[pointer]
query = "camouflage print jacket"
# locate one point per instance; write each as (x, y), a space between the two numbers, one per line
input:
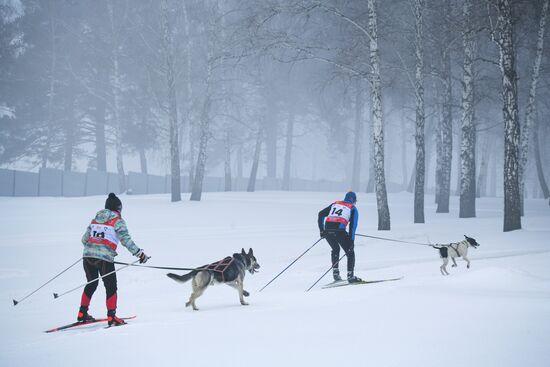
(103, 235)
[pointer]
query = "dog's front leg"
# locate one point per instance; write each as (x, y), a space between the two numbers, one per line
(241, 291)
(234, 285)
(443, 268)
(467, 261)
(454, 262)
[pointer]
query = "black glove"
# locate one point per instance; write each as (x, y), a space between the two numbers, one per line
(142, 257)
(323, 233)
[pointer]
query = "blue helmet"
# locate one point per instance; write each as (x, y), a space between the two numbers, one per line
(350, 197)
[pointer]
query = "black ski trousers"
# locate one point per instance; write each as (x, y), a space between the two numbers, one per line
(93, 268)
(340, 238)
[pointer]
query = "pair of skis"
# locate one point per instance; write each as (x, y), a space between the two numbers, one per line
(342, 283)
(80, 323)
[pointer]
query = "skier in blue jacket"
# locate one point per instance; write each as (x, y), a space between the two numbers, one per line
(333, 221)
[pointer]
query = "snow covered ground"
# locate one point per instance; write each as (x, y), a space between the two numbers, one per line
(495, 314)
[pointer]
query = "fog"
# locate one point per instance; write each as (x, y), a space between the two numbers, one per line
(443, 97)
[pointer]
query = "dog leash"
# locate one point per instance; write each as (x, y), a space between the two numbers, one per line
(393, 240)
(156, 267)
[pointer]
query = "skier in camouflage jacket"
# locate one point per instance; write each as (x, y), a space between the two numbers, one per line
(100, 242)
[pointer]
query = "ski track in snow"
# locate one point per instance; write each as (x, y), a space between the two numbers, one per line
(497, 313)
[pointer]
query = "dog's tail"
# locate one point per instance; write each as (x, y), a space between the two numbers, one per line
(182, 278)
(437, 247)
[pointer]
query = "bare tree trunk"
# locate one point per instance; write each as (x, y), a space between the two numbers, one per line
(189, 95)
(271, 138)
(378, 122)
(370, 139)
(493, 186)
(438, 142)
(288, 149)
(116, 86)
(192, 153)
(196, 192)
(538, 162)
(240, 161)
(446, 128)
(255, 162)
(100, 146)
(227, 163)
(481, 186)
(420, 115)
(358, 139)
(468, 146)
(410, 186)
(531, 105)
(404, 153)
(52, 88)
(69, 125)
(505, 41)
(172, 104)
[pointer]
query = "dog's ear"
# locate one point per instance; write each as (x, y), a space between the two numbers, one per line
(242, 251)
(250, 252)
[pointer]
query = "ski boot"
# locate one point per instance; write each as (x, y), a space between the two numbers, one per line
(336, 275)
(113, 320)
(84, 316)
(353, 279)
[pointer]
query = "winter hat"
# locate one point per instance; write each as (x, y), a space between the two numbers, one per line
(350, 197)
(113, 203)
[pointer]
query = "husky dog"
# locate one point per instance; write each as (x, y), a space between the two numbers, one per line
(230, 271)
(458, 249)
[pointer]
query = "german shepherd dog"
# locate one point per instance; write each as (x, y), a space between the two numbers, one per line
(230, 271)
(458, 249)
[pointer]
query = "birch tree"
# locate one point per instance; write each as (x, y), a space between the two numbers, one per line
(445, 133)
(52, 90)
(116, 84)
(468, 145)
(531, 105)
(288, 148)
(503, 35)
(255, 160)
(172, 105)
(358, 138)
(377, 121)
(420, 115)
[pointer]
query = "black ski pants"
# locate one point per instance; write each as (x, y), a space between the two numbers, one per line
(337, 239)
(93, 268)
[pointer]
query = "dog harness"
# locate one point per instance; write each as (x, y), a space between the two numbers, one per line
(340, 212)
(219, 266)
(444, 248)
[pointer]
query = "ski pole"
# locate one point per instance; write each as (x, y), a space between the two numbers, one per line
(303, 253)
(56, 295)
(15, 302)
(325, 273)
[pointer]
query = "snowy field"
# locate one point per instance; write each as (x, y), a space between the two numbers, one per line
(495, 314)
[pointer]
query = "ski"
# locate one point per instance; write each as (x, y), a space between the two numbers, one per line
(341, 283)
(78, 323)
